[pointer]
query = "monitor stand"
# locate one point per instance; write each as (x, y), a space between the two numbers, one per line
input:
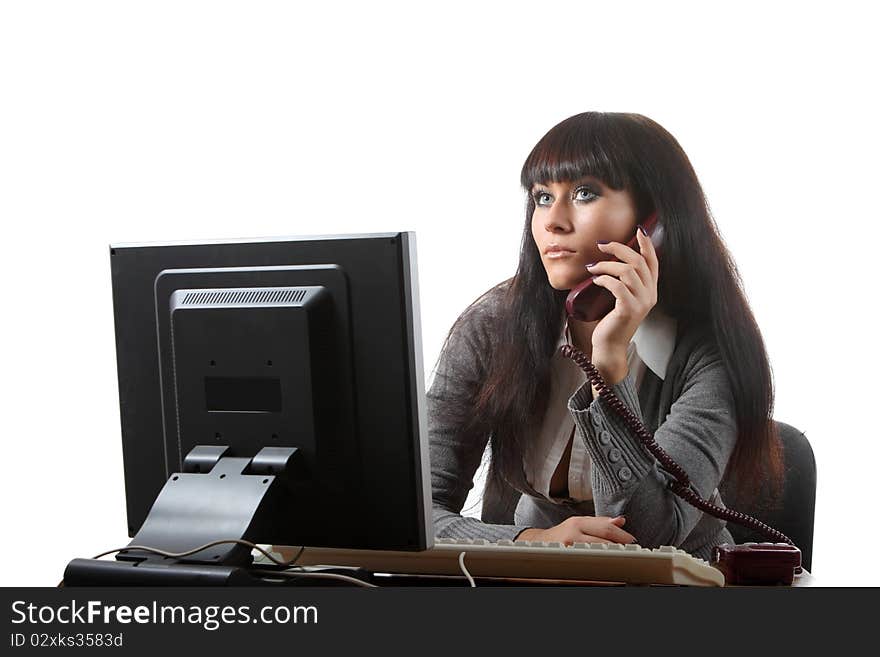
(215, 497)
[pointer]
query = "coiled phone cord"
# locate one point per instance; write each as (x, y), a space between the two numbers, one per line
(681, 484)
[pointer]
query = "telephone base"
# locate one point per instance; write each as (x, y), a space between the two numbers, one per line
(761, 564)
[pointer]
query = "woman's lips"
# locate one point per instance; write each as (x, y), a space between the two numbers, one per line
(559, 252)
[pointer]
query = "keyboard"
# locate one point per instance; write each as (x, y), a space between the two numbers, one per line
(592, 562)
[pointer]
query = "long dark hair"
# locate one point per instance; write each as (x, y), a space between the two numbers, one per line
(699, 285)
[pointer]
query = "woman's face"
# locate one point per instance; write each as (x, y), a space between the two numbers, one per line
(570, 217)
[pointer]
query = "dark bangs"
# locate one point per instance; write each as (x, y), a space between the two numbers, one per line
(581, 145)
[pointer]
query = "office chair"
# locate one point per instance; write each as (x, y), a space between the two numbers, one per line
(794, 512)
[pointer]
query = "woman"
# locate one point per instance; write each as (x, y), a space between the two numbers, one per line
(680, 348)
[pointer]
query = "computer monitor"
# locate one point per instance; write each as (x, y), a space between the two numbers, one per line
(293, 364)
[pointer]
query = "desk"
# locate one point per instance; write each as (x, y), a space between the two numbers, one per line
(805, 579)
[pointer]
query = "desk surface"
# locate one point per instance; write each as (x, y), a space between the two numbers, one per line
(374, 574)
(802, 580)
(398, 579)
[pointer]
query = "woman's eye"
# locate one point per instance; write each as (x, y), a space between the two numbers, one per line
(542, 198)
(583, 194)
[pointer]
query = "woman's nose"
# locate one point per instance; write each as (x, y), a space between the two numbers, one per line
(558, 218)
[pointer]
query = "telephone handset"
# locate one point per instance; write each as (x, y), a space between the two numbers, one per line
(587, 302)
(752, 563)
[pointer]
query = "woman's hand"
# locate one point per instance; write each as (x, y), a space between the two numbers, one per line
(633, 282)
(581, 529)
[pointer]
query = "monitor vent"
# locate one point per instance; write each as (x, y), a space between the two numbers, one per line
(251, 296)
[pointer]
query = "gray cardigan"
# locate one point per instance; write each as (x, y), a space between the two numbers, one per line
(691, 413)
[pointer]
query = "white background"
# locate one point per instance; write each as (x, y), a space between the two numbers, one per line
(124, 121)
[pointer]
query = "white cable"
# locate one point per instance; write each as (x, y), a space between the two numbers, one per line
(465, 570)
(346, 578)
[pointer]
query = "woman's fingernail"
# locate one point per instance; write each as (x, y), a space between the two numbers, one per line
(642, 228)
(603, 241)
(592, 264)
